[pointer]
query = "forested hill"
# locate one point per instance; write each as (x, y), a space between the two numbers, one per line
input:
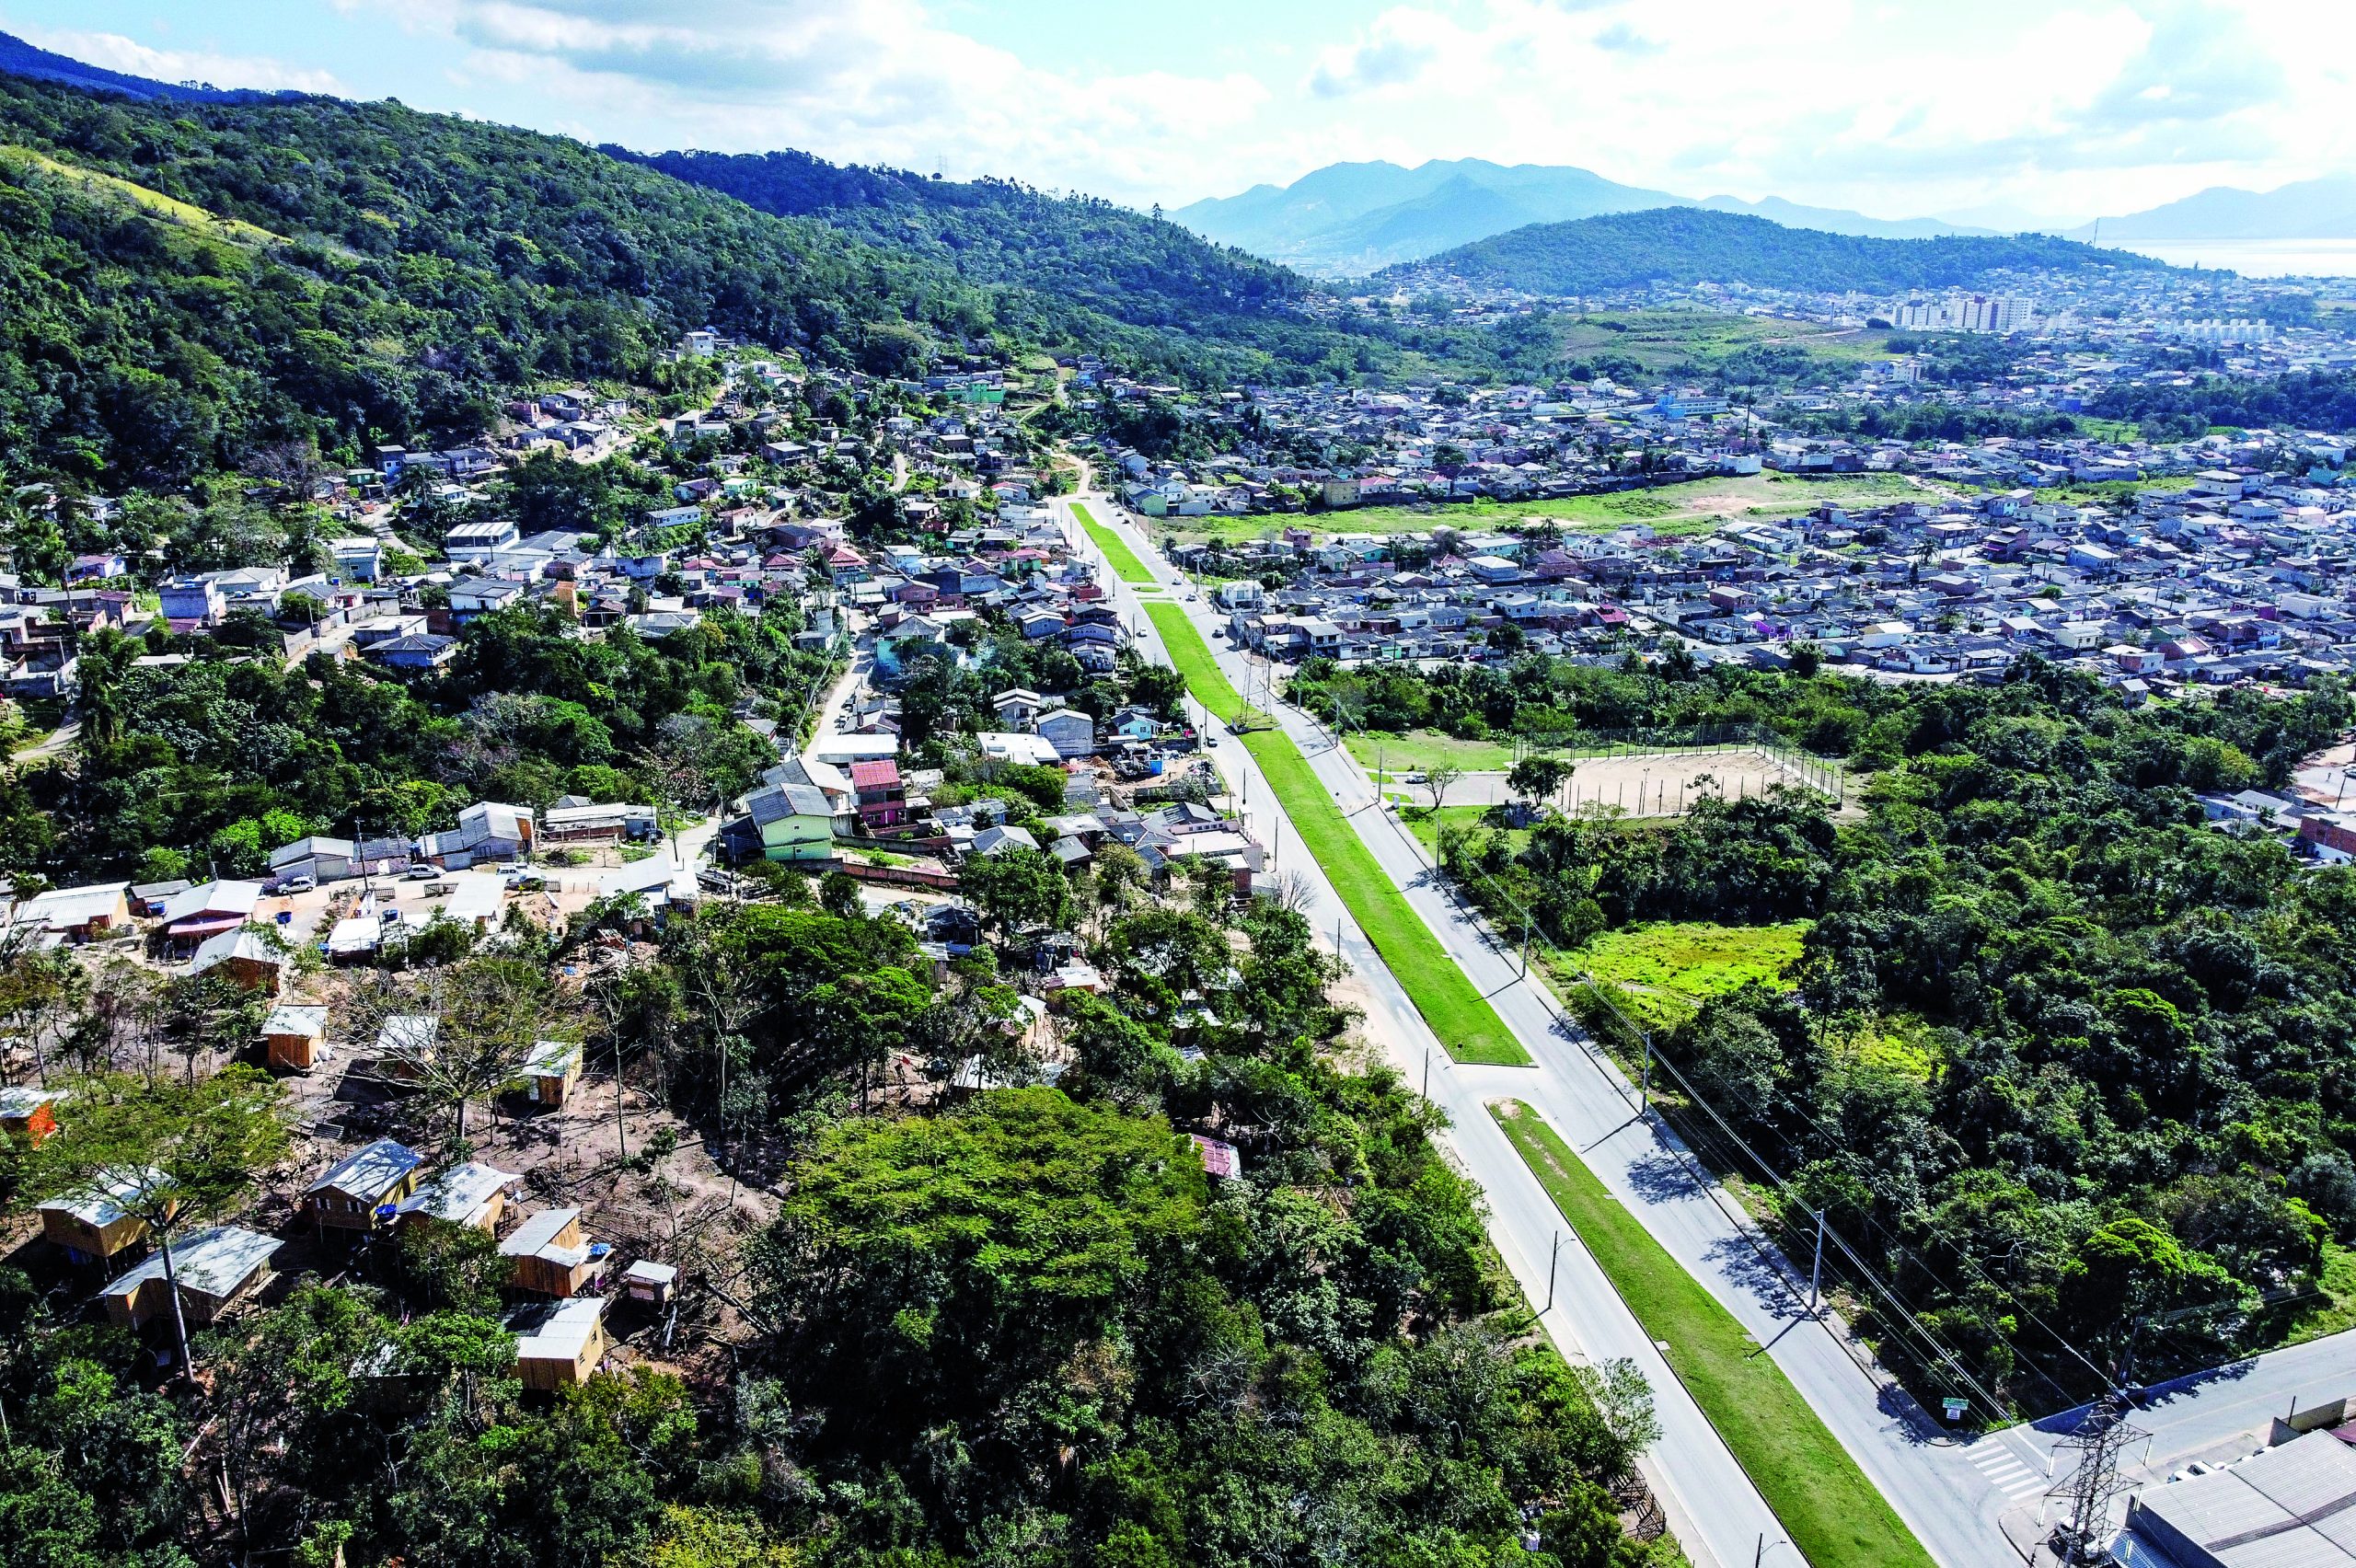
(1082, 248)
(1684, 244)
(183, 282)
(18, 58)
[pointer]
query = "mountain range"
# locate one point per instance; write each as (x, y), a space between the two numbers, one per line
(2310, 209)
(1687, 244)
(1352, 219)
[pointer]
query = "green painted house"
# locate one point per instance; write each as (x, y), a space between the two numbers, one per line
(796, 822)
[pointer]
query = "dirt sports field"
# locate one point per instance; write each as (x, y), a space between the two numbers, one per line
(1653, 784)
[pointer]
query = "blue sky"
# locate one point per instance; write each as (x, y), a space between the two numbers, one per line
(2005, 110)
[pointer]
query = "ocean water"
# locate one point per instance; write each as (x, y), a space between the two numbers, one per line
(2260, 257)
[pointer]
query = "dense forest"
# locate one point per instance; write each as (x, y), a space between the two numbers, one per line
(1022, 1328)
(182, 284)
(2066, 1063)
(2303, 400)
(1687, 244)
(1129, 266)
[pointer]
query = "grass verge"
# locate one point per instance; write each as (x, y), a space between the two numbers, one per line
(1823, 1501)
(1467, 1026)
(1125, 561)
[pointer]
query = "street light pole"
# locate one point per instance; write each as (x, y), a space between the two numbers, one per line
(1553, 1253)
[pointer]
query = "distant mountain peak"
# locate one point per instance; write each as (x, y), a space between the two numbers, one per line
(1348, 219)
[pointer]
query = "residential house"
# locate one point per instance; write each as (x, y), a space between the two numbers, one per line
(416, 651)
(294, 1037)
(559, 1345)
(364, 1187)
(358, 557)
(97, 1226)
(206, 911)
(1070, 731)
(551, 1255)
(250, 955)
(881, 795)
(82, 914)
(552, 1071)
(214, 1268)
(794, 822)
(486, 831)
(472, 1196)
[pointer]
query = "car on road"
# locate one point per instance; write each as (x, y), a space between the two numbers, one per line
(420, 873)
(299, 884)
(1411, 779)
(525, 881)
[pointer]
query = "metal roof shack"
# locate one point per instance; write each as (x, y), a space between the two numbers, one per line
(2291, 1506)
(213, 1267)
(470, 1194)
(559, 1347)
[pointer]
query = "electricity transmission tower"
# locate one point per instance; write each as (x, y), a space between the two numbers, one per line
(2088, 1488)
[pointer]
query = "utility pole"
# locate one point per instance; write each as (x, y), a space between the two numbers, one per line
(1816, 1270)
(1525, 944)
(1645, 1084)
(1553, 1253)
(1428, 1094)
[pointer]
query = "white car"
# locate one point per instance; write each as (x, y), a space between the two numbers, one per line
(299, 884)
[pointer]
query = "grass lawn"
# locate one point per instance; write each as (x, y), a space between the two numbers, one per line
(1424, 824)
(1467, 1026)
(1125, 560)
(1690, 506)
(1659, 338)
(1418, 751)
(1823, 1501)
(1675, 965)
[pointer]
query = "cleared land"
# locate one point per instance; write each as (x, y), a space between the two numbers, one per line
(1690, 506)
(1125, 561)
(1420, 750)
(1827, 1507)
(1658, 339)
(1669, 968)
(1467, 1026)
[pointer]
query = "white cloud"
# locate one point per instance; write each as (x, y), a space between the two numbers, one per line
(1895, 107)
(119, 54)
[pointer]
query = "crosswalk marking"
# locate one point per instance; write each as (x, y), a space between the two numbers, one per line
(2005, 1472)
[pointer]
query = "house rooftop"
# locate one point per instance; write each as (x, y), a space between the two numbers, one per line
(369, 1171)
(213, 1263)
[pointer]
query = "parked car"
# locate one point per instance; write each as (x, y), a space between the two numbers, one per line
(420, 873)
(299, 884)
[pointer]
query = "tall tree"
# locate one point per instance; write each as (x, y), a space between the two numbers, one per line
(166, 1152)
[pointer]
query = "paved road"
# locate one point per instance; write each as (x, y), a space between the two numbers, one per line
(1712, 1505)
(1953, 1494)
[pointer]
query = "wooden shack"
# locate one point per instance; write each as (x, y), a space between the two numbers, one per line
(559, 1346)
(246, 955)
(215, 1268)
(650, 1282)
(551, 1070)
(551, 1256)
(295, 1035)
(95, 1226)
(472, 1196)
(353, 1194)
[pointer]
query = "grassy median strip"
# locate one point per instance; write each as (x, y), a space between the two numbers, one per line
(1824, 1502)
(1466, 1024)
(1125, 560)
